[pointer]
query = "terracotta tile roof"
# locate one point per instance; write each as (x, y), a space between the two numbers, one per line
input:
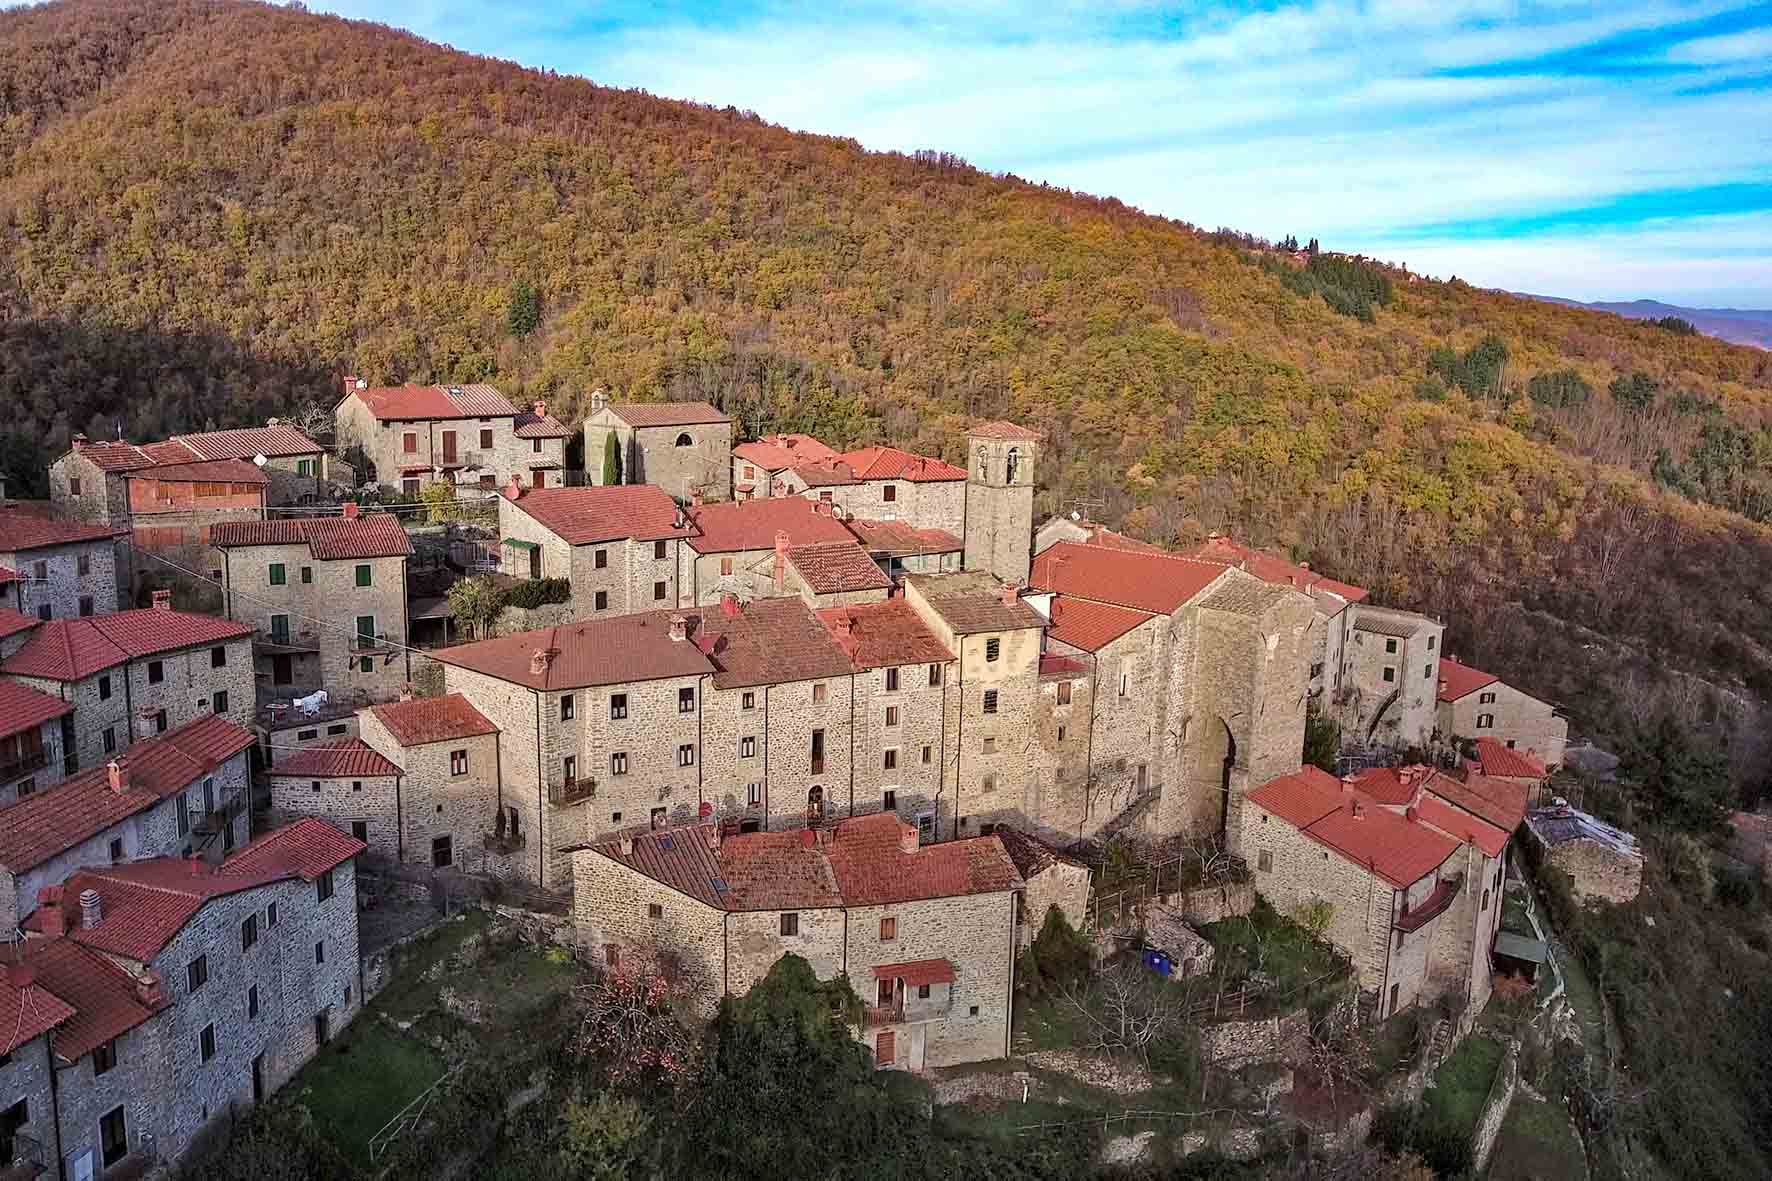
(1396, 848)
(1030, 854)
(1095, 533)
(774, 453)
(735, 526)
(28, 1008)
(25, 709)
(434, 402)
(836, 567)
(1462, 825)
(348, 758)
(1159, 583)
(227, 471)
(114, 456)
(774, 871)
(1091, 626)
(766, 642)
(1301, 798)
(1496, 758)
(8, 576)
(606, 651)
(1501, 803)
(587, 515)
(1052, 665)
(891, 463)
(1460, 680)
(272, 442)
(1003, 430)
(972, 602)
(70, 649)
(103, 995)
(425, 720)
(1330, 594)
(21, 529)
(1394, 785)
(306, 849)
(376, 535)
(900, 538)
(882, 635)
(167, 763)
(13, 622)
(531, 426)
(917, 972)
(649, 414)
(824, 473)
(1398, 624)
(872, 869)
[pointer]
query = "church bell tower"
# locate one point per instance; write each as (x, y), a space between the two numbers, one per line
(1000, 458)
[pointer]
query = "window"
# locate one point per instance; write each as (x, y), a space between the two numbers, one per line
(248, 932)
(1430, 642)
(458, 762)
(365, 576)
(1264, 861)
(747, 701)
(409, 486)
(753, 795)
(790, 923)
(271, 915)
(360, 830)
(279, 574)
(1485, 698)
(569, 768)
(1064, 692)
(928, 754)
(104, 688)
(27, 786)
(73, 485)
(1485, 901)
(972, 1011)
(323, 886)
(658, 550)
(922, 992)
(1316, 670)
(600, 601)
(658, 591)
(566, 708)
(725, 567)
(818, 751)
(156, 672)
(218, 701)
(485, 439)
(1427, 672)
(307, 575)
(987, 783)
(889, 800)
(611, 955)
(683, 440)
(820, 691)
(45, 612)
(1485, 721)
(1390, 673)
(196, 974)
(110, 738)
(279, 630)
(993, 648)
(366, 664)
(365, 630)
(889, 493)
(618, 762)
(686, 755)
(658, 817)
(304, 467)
(892, 715)
(686, 700)
(891, 759)
(85, 605)
(113, 1135)
(888, 929)
(747, 747)
(409, 442)
(934, 675)
(892, 680)
(1389, 647)
(618, 706)
(990, 701)
(826, 497)
(320, 947)
(104, 1057)
(988, 744)
(1125, 683)
(601, 560)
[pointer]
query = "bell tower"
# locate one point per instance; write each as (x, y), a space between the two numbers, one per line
(1000, 458)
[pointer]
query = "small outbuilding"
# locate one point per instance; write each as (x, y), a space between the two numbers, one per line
(1605, 863)
(1053, 879)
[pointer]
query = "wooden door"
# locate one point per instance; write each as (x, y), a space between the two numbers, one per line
(448, 446)
(282, 670)
(885, 1048)
(539, 478)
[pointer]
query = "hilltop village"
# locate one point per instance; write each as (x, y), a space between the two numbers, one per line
(857, 706)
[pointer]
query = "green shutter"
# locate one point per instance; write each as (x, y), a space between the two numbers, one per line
(363, 576)
(279, 576)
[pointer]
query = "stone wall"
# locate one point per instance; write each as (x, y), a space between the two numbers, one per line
(999, 514)
(1213, 904)
(920, 735)
(1514, 716)
(434, 803)
(71, 580)
(1495, 1108)
(1060, 884)
(1272, 1039)
(616, 908)
(372, 801)
(1599, 872)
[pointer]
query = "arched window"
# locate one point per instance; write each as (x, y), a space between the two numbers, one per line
(1014, 466)
(983, 470)
(683, 440)
(815, 803)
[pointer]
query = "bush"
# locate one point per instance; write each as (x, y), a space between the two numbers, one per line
(1058, 958)
(538, 592)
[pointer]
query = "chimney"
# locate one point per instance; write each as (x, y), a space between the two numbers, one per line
(1353, 807)
(843, 626)
(49, 904)
(729, 605)
(91, 913)
(352, 385)
(599, 400)
(408, 691)
(539, 408)
(1304, 565)
(710, 833)
(678, 521)
(679, 629)
(781, 561)
(1010, 593)
(907, 838)
(695, 497)
(626, 845)
(514, 490)
(21, 976)
(539, 661)
(272, 421)
(351, 510)
(79, 442)
(162, 600)
(118, 775)
(808, 838)
(148, 991)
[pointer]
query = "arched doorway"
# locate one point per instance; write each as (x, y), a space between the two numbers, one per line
(1209, 758)
(815, 804)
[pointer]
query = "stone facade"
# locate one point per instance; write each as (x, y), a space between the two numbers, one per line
(33, 760)
(615, 577)
(440, 811)
(759, 763)
(136, 1083)
(26, 1078)
(366, 806)
(686, 459)
(1508, 715)
(67, 581)
(999, 520)
(905, 712)
(1389, 691)
(466, 449)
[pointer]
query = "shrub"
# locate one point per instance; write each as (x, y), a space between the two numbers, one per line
(538, 592)
(1058, 958)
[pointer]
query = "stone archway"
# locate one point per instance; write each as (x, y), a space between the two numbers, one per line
(1208, 762)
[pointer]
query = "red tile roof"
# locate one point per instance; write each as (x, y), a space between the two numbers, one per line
(545, 426)
(837, 567)
(735, 526)
(103, 996)
(1331, 595)
(765, 642)
(1052, 665)
(972, 601)
(434, 402)
(774, 453)
(272, 442)
(229, 471)
(587, 515)
(28, 1009)
(348, 758)
(824, 473)
(13, 622)
(917, 972)
(1091, 626)
(1460, 680)
(872, 869)
(425, 720)
(1496, 758)
(1396, 848)
(648, 414)
(1501, 803)
(1003, 430)
(70, 649)
(306, 849)
(25, 709)
(24, 530)
(1159, 583)
(376, 535)
(1394, 785)
(891, 463)
(1462, 825)
(1301, 798)
(115, 456)
(901, 539)
(606, 651)
(885, 634)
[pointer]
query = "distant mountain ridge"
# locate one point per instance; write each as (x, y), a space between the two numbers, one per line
(1736, 325)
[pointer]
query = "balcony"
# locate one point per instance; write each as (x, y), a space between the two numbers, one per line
(215, 820)
(18, 768)
(906, 1011)
(1433, 906)
(874, 1016)
(571, 791)
(505, 842)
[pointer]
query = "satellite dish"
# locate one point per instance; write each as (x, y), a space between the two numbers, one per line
(260, 460)
(1076, 515)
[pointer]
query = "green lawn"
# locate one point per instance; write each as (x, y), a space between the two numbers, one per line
(361, 1081)
(1537, 1141)
(1462, 1085)
(1303, 968)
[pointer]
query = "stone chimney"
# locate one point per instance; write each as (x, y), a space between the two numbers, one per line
(710, 833)
(539, 661)
(408, 691)
(599, 400)
(1010, 594)
(49, 904)
(626, 845)
(514, 490)
(162, 600)
(679, 629)
(148, 991)
(539, 408)
(80, 442)
(842, 626)
(729, 605)
(1353, 807)
(351, 510)
(91, 913)
(118, 775)
(907, 838)
(781, 561)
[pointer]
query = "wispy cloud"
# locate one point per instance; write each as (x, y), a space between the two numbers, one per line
(1468, 130)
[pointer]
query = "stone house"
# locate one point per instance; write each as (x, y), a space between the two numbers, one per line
(924, 933)
(1389, 689)
(999, 520)
(35, 730)
(348, 783)
(1492, 759)
(900, 548)
(761, 468)
(891, 484)
(89, 483)
(1603, 863)
(281, 727)
(15, 627)
(325, 598)
(185, 792)
(247, 967)
(684, 448)
(621, 546)
(1079, 529)
(1475, 705)
(56, 569)
(134, 674)
(1053, 880)
(741, 548)
(400, 438)
(27, 1085)
(440, 807)
(833, 574)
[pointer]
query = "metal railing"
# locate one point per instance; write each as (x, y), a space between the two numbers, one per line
(570, 791)
(509, 842)
(216, 819)
(18, 768)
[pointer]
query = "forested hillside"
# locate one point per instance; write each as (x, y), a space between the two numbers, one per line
(209, 211)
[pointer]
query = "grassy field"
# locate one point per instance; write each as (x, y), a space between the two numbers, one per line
(1462, 1084)
(362, 1080)
(1537, 1141)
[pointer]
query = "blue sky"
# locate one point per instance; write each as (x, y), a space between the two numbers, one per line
(1595, 151)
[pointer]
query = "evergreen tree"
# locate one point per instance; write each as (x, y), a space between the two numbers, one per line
(525, 313)
(611, 459)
